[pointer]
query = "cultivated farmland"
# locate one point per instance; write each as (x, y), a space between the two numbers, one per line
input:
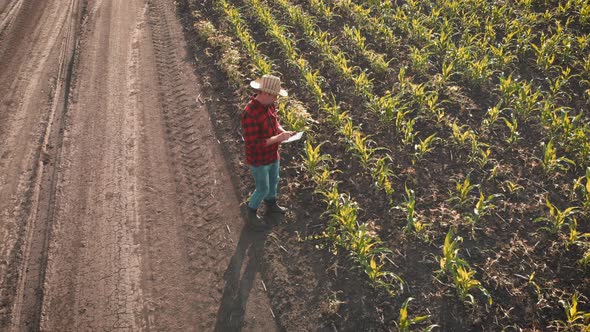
(444, 177)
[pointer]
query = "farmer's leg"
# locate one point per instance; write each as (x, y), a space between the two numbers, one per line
(273, 181)
(261, 179)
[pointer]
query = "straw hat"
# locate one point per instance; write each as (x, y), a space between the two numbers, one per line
(269, 84)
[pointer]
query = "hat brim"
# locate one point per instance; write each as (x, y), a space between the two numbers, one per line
(256, 85)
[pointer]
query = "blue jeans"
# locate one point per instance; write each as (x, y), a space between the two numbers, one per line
(266, 178)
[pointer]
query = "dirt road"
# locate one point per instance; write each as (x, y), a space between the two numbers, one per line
(116, 208)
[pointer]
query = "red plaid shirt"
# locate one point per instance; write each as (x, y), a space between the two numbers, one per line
(259, 123)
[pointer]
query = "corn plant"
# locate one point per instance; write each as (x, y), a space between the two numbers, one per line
(493, 114)
(556, 218)
(425, 146)
(420, 57)
(585, 260)
(387, 107)
(575, 320)
(345, 217)
(434, 107)
(462, 192)
(321, 9)
(481, 157)
(551, 162)
(229, 62)
(387, 280)
(465, 283)
(531, 282)
(360, 148)
(514, 135)
(459, 270)
(413, 224)
(479, 71)
(299, 17)
(324, 178)
(313, 159)
(450, 258)
(381, 174)
(461, 135)
(557, 86)
(483, 206)
(583, 189)
(512, 187)
(295, 115)
(526, 101)
(356, 38)
(409, 134)
(574, 236)
(405, 323)
(363, 85)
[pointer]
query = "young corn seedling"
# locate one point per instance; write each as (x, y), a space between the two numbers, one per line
(462, 191)
(434, 107)
(477, 151)
(382, 174)
(483, 158)
(387, 107)
(483, 206)
(450, 259)
(346, 217)
(331, 197)
(363, 85)
(409, 132)
(425, 146)
(400, 119)
(413, 224)
(461, 137)
(478, 72)
(365, 247)
(405, 323)
(585, 260)
(551, 162)
(321, 9)
(574, 236)
(575, 320)
(526, 100)
(465, 283)
(377, 62)
(512, 187)
(420, 57)
(556, 218)
(313, 160)
(447, 71)
(354, 36)
(531, 282)
(514, 135)
(312, 80)
(387, 280)
(295, 115)
(493, 114)
(557, 86)
(584, 189)
(324, 178)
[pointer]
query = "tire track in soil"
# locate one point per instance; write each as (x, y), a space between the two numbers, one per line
(208, 203)
(93, 271)
(39, 49)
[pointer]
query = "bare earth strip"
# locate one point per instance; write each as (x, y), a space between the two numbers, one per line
(117, 208)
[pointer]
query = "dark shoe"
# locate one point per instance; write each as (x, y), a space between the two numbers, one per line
(273, 207)
(254, 222)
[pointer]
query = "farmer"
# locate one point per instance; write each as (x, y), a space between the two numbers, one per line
(262, 136)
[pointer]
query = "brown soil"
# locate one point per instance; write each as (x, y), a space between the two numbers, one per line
(116, 210)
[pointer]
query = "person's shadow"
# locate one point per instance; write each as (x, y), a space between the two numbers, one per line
(230, 316)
